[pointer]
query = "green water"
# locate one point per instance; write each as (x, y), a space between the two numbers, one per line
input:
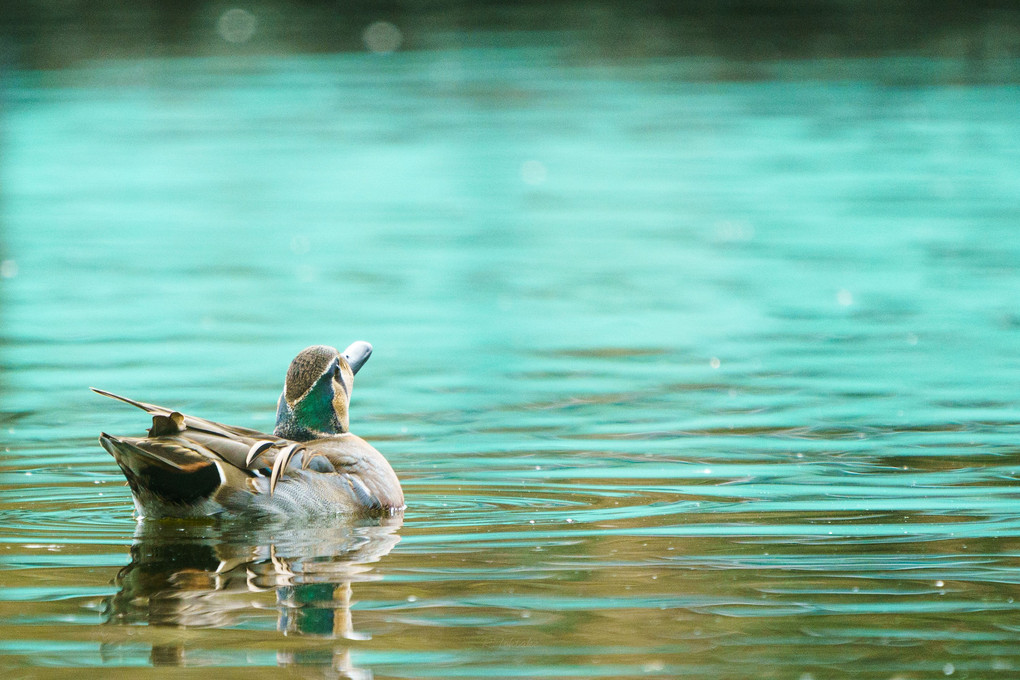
(683, 377)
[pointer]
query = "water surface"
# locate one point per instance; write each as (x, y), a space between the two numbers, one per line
(683, 377)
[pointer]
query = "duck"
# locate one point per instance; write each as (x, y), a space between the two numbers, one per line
(311, 465)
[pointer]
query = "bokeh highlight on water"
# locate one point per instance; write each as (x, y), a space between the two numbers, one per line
(684, 377)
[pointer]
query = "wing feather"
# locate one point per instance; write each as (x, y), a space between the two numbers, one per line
(191, 422)
(176, 453)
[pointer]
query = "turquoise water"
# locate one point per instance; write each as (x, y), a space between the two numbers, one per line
(683, 377)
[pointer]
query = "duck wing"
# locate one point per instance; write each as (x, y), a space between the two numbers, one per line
(240, 447)
(191, 422)
(177, 471)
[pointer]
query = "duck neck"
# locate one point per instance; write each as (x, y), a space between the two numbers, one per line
(306, 420)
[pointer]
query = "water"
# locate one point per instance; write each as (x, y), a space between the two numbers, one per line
(683, 377)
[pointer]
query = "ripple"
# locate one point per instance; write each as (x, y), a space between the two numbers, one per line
(766, 424)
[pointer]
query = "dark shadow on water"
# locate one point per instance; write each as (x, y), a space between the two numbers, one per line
(37, 34)
(230, 574)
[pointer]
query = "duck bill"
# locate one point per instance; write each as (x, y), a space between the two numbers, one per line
(357, 354)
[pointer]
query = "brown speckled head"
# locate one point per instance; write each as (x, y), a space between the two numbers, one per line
(306, 369)
(317, 392)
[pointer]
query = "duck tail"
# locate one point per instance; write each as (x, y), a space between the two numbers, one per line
(166, 471)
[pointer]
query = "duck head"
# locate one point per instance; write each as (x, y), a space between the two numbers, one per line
(317, 392)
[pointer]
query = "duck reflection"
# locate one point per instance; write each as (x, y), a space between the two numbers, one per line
(202, 575)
